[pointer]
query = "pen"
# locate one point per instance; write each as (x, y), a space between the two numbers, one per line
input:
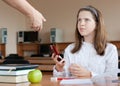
(61, 78)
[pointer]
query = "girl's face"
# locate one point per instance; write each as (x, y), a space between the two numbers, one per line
(86, 24)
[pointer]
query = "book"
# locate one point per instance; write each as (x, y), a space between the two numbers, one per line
(17, 84)
(14, 67)
(17, 72)
(13, 79)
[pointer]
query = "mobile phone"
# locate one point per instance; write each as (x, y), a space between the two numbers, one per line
(55, 50)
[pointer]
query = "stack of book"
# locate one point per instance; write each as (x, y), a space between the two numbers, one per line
(15, 73)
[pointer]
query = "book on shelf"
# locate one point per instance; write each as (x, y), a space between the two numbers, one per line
(15, 67)
(13, 79)
(17, 72)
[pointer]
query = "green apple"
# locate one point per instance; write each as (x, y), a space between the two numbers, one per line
(35, 76)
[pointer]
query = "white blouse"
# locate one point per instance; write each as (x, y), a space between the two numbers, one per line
(88, 58)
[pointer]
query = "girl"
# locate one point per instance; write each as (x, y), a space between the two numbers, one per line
(90, 55)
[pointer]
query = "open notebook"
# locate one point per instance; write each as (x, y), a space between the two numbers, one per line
(76, 81)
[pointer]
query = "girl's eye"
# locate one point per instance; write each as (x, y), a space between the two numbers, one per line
(87, 19)
(79, 19)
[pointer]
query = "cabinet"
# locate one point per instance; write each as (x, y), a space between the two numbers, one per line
(35, 47)
(116, 43)
(62, 46)
(2, 49)
(46, 63)
(22, 47)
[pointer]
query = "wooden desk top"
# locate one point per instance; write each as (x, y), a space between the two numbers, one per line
(46, 82)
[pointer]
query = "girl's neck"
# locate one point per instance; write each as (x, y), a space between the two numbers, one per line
(89, 39)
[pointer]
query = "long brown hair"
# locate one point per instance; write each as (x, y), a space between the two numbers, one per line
(100, 38)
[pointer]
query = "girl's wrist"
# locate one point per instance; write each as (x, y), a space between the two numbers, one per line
(90, 74)
(58, 68)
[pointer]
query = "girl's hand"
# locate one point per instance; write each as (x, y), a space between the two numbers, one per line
(59, 64)
(79, 71)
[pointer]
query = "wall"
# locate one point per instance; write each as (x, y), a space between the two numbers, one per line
(59, 14)
(13, 21)
(62, 14)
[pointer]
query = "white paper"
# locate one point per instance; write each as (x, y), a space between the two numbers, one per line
(76, 81)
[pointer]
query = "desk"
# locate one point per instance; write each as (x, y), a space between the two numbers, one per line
(45, 63)
(46, 82)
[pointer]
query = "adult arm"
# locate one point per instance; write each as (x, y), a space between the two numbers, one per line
(27, 9)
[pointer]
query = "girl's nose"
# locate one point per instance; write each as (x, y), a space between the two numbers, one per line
(82, 23)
